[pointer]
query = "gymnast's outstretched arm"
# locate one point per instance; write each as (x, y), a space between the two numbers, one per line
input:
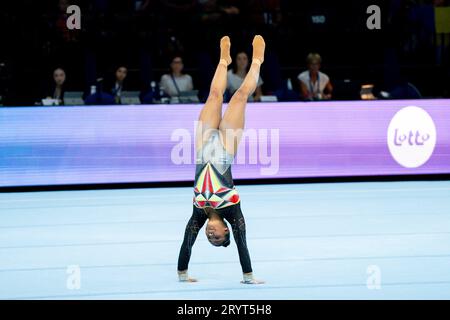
(193, 226)
(237, 221)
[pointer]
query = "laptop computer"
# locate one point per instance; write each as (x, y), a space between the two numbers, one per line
(269, 99)
(130, 97)
(190, 96)
(73, 98)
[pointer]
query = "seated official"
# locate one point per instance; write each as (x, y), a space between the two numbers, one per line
(314, 85)
(57, 88)
(176, 82)
(118, 84)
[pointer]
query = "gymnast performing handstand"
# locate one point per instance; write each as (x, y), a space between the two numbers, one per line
(217, 140)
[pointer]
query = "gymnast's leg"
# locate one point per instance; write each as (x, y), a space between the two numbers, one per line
(211, 114)
(231, 128)
(232, 124)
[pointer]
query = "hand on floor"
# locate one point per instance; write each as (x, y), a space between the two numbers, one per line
(248, 279)
(183, 277)
(189, 280)
(252, 281)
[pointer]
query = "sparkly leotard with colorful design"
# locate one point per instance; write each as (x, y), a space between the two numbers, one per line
(213, 190)
(214, 185)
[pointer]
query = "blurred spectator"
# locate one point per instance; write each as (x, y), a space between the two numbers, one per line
(237, 74)
(118, 85)
(314, 85)
(57, 89)
(176, 82)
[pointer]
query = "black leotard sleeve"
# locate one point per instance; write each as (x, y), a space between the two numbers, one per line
(235, 217)
(193, 226)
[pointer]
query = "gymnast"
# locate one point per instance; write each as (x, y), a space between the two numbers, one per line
(217, 139)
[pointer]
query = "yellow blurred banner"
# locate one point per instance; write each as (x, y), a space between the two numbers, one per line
(442, 19)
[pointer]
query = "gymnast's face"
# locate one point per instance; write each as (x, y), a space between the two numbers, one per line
(216, 231)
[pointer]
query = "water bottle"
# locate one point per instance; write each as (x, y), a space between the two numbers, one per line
(93, 89)
(153, 91)
(161, 95)
(289, 84)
